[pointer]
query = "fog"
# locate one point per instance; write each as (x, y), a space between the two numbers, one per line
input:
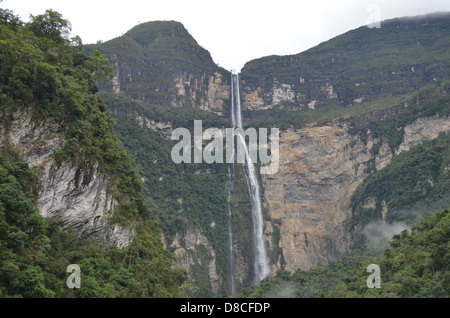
(378, 234)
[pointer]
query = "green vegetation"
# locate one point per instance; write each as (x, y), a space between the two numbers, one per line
(123, 107)
(368, 70)
(149, 56)
(45, 72)
(182, 195)
(389, 123)
(34, 252)
(418, 175)
(416, 265)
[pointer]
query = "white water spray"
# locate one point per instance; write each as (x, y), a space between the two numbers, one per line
(260, 261)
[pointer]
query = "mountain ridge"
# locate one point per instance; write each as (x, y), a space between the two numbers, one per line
(182, 72)
(354, 68)
(353, 140)
(315, 207)
(69, 192)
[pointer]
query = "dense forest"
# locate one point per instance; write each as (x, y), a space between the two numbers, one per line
(54, 77)
(415, 265)
(46, 72)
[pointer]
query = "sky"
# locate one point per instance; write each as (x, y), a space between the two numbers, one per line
(233, 31)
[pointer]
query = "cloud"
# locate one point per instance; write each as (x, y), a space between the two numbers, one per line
(378, 234)
(282, 290)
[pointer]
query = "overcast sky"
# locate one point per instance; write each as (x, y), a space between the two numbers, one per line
(233, 31)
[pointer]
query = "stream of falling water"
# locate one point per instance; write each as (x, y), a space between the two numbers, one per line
(260, 260)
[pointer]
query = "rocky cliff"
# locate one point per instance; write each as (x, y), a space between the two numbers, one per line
(198, 257)
(361, 65)
(345, 109)
(160, 62)
(309, 199)
(79, 194)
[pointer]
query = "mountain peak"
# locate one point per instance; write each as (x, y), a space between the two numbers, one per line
(146, 33)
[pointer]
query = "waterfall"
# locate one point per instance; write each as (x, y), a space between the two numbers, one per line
(260, 260)
(230, 182)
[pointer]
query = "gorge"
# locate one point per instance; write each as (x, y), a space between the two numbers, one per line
(363, 121)
(341, 119)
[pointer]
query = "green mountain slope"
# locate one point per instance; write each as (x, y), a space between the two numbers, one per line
(44, 72)
(417, 176)
(185, 197)
(151, 57)
(358, 69)
(415, 265)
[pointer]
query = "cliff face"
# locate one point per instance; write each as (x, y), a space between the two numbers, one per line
(307, 204)
(160, 62)
(77, 194)
(291, 95)
(361, 65)
(198, 257)
(309, 198)
(207, 91)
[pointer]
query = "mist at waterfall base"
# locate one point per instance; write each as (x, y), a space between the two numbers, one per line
(260, 261)
(378, 234)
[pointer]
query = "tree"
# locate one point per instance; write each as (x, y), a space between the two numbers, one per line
(99, 66)
(8, 17)
(51, 25)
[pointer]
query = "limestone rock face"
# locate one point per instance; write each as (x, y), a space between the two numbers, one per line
(309, 196)
(81, 198)
(308, 200)
(205, 91)
(77, 194)
(208, 92)
(424, 128)
(286, 95)
(196, 254)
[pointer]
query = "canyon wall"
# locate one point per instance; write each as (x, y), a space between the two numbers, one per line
(308, 200)
(79, 194)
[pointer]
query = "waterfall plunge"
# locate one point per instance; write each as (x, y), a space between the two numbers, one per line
(260, 262)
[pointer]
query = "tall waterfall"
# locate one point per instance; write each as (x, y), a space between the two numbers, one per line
(260, 260)
(230, 181)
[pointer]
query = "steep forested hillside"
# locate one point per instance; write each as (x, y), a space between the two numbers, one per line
(420, 175)
(45, 72)
(415, 265)
(160, 62)
(360, 66)
(185, 197)
(355, 114)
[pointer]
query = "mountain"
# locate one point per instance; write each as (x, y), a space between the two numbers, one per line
(161, 62)
(86, 175)
(164, 80)
(361, 66)
(69, 192)
(346, 109)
